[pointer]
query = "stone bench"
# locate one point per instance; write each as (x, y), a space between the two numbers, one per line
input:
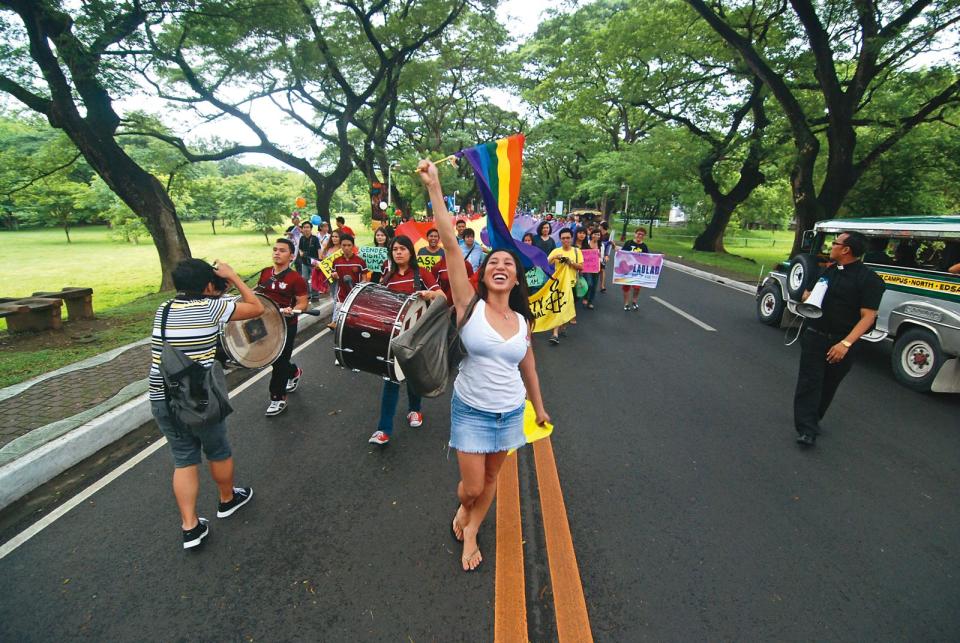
(79, 301)
(31, 313)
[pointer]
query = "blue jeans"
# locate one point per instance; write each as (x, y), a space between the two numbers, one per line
(388, 404)
(592, 280)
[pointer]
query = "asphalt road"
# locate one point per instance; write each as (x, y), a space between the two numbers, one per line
(694, 515)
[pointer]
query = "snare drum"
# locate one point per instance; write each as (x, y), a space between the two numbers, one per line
(370, 318)
(256, 342)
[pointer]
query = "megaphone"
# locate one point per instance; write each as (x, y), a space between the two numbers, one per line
(811, 308)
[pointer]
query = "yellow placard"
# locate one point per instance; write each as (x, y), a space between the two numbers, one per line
(427, 262)
(326, 264)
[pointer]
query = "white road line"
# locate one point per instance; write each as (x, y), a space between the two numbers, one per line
(685, 315)
(60, 511)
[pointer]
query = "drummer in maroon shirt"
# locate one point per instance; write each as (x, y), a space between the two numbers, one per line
(403, 275)
(287, 289)
(349, 269)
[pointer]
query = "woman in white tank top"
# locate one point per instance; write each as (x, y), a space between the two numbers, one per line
(496, 377)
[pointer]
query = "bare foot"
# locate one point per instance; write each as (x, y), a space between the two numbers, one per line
(457, 525)
(471, 557)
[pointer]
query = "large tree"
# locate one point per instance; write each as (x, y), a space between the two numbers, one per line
(59, 64)
(328, 66)
(834, 78)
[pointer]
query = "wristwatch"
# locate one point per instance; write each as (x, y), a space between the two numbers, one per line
(845, 343)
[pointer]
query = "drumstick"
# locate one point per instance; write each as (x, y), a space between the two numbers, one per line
(315, 313)
(452, 159)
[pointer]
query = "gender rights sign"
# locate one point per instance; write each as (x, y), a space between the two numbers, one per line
(637, 269)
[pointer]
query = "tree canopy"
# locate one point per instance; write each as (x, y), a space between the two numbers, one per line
(746, 113)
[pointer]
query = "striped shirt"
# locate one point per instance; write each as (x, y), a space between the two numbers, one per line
(193, 326)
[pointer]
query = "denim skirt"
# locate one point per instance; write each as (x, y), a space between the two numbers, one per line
(476, 431)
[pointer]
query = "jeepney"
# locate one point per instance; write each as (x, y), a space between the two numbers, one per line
(920, 310)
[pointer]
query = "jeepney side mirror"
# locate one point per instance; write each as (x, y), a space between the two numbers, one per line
(806, 243)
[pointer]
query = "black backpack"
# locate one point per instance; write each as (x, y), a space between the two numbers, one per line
(196, 395)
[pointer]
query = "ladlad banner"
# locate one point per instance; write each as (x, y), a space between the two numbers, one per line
(637, 269)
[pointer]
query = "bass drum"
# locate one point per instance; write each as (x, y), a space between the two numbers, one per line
(370, 318)
(256, 342)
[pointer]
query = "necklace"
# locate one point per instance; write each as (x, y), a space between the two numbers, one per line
(504, 314)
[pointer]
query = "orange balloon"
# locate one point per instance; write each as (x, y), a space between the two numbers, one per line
(301, 202)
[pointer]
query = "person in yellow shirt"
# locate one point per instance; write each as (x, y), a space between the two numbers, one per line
(565, 254)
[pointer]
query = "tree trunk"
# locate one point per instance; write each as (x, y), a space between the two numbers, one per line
(266, 235)
(711, 239)
(213, 225)
(806, 206)
(66, 231)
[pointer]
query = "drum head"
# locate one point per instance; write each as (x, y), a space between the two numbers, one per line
(257, 342)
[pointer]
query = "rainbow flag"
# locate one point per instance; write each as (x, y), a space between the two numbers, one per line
(497, 166)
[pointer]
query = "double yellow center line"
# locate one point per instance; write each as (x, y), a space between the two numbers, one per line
(510, 607)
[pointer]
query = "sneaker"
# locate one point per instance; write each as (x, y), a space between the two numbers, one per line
(635, 307)
(294, 381)
(276, 407)
(554, 339)
(379, 437)
(626, 306)
(415, 418)
(241, 496)
(193, 537)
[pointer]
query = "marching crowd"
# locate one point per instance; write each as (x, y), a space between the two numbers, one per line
(496, 377)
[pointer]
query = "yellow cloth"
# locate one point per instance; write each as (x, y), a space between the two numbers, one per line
(531, 429)
(552, 305)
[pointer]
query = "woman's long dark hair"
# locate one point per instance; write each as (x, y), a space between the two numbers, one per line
(540, 229)
(404, 241)
(519, 300)
(385, 234)
(586, 239)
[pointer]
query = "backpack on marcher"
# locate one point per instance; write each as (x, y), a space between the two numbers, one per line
(196, 395)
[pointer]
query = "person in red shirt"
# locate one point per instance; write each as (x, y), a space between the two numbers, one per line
(443, 278)
(343, 227)
(349, 269)
(287, 289)
(403, 275)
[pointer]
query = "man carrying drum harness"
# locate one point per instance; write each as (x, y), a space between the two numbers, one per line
(287, 289)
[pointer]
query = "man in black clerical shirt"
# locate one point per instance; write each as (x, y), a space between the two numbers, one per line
(827, 344)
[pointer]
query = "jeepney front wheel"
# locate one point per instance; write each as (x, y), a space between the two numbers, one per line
(916, 359)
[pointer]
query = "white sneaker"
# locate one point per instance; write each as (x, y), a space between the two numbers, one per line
(294, 381)
(276, 407)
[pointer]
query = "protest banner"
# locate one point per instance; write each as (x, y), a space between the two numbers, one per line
(326, 265)
(552, 305)
(591, 261)
(637, 269)
(373, 256)
(427, 262)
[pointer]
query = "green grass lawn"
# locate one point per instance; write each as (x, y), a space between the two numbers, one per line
(124, 277)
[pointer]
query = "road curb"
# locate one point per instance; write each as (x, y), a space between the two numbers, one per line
(709, 276)
(73, 439)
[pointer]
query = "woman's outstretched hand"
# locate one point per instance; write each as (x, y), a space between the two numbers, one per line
(427, 172)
